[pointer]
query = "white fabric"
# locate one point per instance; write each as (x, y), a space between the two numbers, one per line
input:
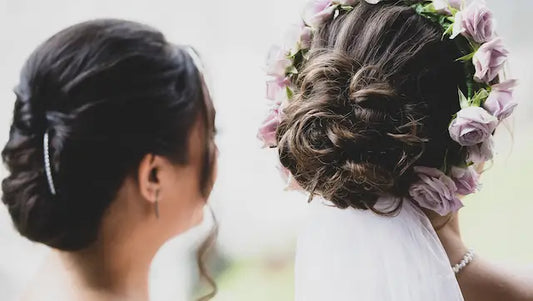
(358, 255)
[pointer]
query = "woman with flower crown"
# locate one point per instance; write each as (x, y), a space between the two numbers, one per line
(385, 110)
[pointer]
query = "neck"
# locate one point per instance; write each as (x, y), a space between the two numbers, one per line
(116, 265)
(118, 270)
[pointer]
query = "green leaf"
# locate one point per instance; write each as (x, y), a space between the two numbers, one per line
(289, 92)
(293, 53)
(470, 86)
(346, 8)
(429, 8)
(475, 101)
(474, 45)
(467, 57)
(305, 54)
(292, 70)
(480, 97)
(453, 10)
(463, 100)
(447, 31)
(444, 167)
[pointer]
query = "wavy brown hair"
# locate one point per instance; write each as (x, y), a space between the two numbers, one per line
(374, 98)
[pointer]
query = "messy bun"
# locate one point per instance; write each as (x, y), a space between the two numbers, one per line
(107, 92)
(373, 99)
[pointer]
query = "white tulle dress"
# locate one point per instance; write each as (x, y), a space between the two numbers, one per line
(361, 256)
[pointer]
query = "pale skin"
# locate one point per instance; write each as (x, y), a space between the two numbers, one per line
(116, 266)
(480, 280)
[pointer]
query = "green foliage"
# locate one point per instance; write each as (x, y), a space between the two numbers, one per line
(466, 47)
(479, 98)
(427, 10)
(290, 93)
(346, 8)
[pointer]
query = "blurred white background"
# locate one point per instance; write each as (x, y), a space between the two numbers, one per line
(259, 221)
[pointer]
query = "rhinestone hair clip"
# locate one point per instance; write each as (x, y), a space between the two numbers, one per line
(47, 166)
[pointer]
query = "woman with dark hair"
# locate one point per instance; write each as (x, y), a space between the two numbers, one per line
(111, 153)
(385, 109)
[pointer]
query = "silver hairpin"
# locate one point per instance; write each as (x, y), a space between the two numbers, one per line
(47, 166)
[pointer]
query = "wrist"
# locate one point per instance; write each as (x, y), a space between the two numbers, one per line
(453, 244)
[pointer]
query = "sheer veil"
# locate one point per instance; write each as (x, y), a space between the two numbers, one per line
(358, 255)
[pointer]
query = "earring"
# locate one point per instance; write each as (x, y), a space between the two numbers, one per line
(156, 204)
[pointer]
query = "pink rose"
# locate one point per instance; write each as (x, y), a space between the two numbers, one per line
(317, 12)
(457, 25)
(299, 36)
(466, 180)
(472, 125)
(435, 191)
(277, 62)
(457, 4)
(267, 131)
(500, 102)
(443, 6)
(306, 37)
(276, 86)
(489, 60)
(481, 153)
(477, 20)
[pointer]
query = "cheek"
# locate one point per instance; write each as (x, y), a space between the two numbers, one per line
(194, 206)
(213, 170)
(212, 179)
(185, 203)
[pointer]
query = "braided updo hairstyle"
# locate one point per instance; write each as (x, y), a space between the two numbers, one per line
(373, 100)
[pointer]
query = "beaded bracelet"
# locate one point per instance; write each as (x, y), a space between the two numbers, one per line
(469, 256)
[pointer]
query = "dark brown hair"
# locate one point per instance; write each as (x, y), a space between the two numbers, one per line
(374, 99)
(108, 92)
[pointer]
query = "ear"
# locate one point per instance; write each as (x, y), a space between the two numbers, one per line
(148, 177)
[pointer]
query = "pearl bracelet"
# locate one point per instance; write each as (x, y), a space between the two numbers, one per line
(469, 256)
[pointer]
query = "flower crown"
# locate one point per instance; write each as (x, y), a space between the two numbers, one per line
(485, 103)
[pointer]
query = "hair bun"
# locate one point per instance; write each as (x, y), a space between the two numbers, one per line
(368, 89)
(107, 92)
(347, 135)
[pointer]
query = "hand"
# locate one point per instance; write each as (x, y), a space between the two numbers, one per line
(449, 233)
(439, 222)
